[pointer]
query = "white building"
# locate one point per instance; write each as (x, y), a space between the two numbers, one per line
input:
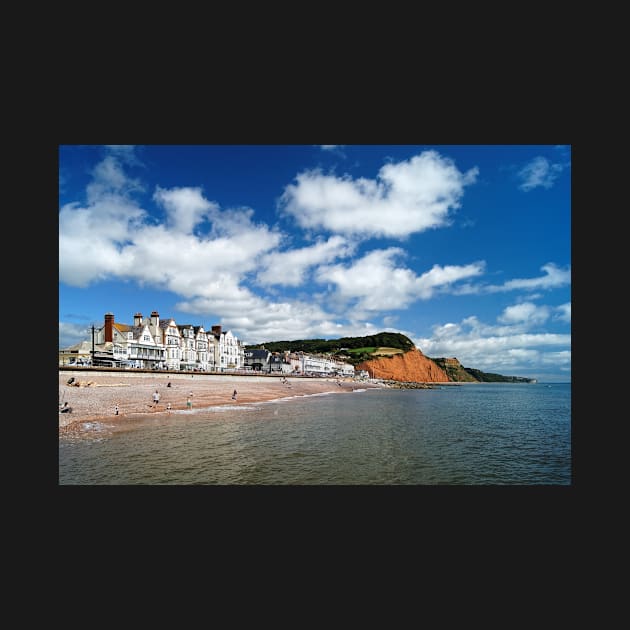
(229, 352)
(151, 343)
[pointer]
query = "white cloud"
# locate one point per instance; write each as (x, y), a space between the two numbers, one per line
(377, 284)
(259, 320)
(109, 179)
(70, 334)
(563, 312)
(554, 278)
(540, 172)
(560, 358)
(185, 207)
(92, 238)
(525, 312)
(406, 197)
(509, 349)
(112, 237)
(290, 268)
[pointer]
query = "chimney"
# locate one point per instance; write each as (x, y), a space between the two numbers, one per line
(109, 327)
(216, 330)
(155, 319)
(137, 319)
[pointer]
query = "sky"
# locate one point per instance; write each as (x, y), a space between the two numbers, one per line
(466, 249)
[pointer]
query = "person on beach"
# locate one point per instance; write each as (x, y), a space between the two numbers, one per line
(116, 410)
(168, 384)
(156, 398)
(65, 408)
(168, 407)
(234, 395)
(189, 403)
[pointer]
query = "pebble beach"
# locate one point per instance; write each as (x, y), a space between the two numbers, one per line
(94, 396)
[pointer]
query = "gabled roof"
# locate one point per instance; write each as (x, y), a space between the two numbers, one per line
(166, 323)
(135, 330)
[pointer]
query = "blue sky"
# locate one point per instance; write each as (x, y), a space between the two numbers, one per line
(464, 249)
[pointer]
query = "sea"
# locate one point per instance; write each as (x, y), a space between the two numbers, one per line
(465, 434)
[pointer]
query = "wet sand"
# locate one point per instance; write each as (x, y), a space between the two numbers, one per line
(96, 396)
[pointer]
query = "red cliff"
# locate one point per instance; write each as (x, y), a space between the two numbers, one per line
(410, 367)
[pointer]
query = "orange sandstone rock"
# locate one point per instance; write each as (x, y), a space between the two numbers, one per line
(410, 367)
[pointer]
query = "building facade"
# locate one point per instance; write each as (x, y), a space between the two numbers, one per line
(151, 343)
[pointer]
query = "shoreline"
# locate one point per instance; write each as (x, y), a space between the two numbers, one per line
(93, 397)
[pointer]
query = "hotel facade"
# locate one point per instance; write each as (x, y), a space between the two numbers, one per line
(152, 343)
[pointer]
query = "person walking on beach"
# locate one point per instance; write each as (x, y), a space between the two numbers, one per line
(168, 407)
(189, 402)
(116, 410)
(234, 395)
(156, 398)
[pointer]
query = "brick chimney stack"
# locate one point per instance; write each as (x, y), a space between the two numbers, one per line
(216, 331)
(155, 319)
(109, 327)
(137, 319)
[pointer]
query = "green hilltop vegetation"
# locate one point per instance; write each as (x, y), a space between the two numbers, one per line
(356, 349)
(489, 377)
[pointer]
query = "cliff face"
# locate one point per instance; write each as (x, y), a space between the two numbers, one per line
(410, 367)
(455, 370)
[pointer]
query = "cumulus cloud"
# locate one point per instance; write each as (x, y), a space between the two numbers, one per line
(291, 267)
(110, 180)
(540, 172)
(406, 197)
(525, 312)
(377, 283)
(185, 207)
(515, 348)
(259, 320)
(112, 237)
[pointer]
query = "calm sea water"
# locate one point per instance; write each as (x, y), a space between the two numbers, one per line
(468, 434)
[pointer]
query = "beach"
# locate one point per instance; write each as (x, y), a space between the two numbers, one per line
(94, 396)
